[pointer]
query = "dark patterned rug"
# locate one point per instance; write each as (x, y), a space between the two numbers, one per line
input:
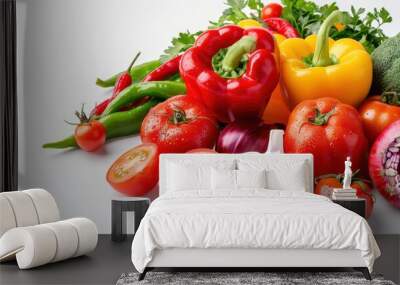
(244, 278)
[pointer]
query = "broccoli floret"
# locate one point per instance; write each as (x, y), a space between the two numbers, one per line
(386, 59)
(391, 79)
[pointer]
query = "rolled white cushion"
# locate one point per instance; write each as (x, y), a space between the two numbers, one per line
(87, 233)
(67, 240)
(46, 206)
(23, 208)
(33, 246)
(7, 218)
(37, 245)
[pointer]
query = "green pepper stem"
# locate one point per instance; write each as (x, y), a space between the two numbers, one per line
(178, 117)
(236, 51)
(321, 119)
(133, 62)
(321, 55)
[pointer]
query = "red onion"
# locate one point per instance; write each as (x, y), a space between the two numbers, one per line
(384, 163)
(239, 137)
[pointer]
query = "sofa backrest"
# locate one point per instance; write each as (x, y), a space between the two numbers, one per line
(27, 208)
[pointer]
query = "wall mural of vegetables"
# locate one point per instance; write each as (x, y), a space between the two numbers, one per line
(298, 66)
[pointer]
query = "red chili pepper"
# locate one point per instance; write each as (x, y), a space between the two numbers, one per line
(167, 69)
(232, 71)
(281, 26)
(124, 80)
(99, 108)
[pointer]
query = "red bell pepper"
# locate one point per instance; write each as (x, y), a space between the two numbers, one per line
(232, 71)
(281, 26)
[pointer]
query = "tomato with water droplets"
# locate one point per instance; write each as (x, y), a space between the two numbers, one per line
(178, 125)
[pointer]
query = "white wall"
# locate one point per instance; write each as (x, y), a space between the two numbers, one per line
(63, 46)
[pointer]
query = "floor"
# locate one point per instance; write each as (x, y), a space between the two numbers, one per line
(110, 260)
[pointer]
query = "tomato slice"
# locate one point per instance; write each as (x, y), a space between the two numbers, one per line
(135, 172)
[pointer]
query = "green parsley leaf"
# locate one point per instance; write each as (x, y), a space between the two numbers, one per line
(179, 44)
(306, 17)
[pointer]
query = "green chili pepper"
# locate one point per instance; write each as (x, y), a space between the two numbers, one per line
(137, 72)
(156, 89)
(176, 77)
(117, 125)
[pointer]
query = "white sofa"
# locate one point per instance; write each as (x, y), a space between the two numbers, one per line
(31, 231)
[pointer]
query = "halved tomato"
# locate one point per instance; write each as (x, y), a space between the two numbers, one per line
(135, 172)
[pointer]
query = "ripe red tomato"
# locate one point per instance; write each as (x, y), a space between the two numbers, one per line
(178, 125)
(376, 115)
(328, 129)
(90, 136)
(135, 172)
(272, 10)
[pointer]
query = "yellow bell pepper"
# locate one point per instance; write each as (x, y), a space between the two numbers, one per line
(318, 67)
(249, 23)
(279, 38)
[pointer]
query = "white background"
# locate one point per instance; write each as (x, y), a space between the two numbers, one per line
(63, 46)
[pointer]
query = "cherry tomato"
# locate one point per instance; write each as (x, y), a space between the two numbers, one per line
(325, 185)
(376, 116)
(90, 136)
(178, 125)
(272, 10)
(135, 172)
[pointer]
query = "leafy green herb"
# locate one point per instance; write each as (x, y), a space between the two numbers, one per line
(236, 12)
(306, 17)
(232, 15)
(179, 44)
